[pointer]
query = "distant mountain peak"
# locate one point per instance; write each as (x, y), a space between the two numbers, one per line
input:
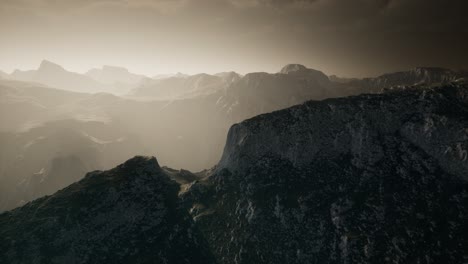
(427, 70)
(48, 65)
(170, 75)
(293, 68)
(430, 68)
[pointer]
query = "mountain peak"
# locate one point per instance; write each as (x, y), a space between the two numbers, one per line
(140, 164)
(293, 68)
(48, 65)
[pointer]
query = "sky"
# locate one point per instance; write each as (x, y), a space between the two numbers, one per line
(349, 38)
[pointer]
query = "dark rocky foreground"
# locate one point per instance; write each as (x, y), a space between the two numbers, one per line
(129, 214)
(372, 178)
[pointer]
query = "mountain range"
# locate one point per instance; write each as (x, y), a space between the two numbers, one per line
(181, 119)
(56, 76)
(111, 79)
(360, 179)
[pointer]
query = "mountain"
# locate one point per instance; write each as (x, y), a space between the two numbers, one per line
(32, 104)
(49, 157)
(229, 77)
(311, 75)
(181, 87)
(362, 179)
(418, 75)
(186, 120)
(258, 93)
(112, 74)
(336, 79)
(187, 132)
(165, 76)
(196, 122)
(118, 77)
(421, 75)
(56, 76)
(130, 214)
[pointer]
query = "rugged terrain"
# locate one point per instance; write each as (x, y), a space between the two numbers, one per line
(365, 179)
(362, 179)
(130, 214)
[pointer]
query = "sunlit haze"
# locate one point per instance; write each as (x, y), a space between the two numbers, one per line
(349, 38)
(233, 131)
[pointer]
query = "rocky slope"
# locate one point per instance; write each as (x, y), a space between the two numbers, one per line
(365, 179)
(129, 214)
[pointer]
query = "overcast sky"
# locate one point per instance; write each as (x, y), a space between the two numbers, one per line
(345, 37)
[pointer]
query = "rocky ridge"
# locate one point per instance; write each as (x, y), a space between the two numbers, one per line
(129, 214)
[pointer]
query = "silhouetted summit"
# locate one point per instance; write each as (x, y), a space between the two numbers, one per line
(290, 68)
(129, 214)
(50, 67)
(54, 75)
(141, 164)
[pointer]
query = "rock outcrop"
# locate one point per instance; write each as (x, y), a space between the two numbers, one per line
(130, 214)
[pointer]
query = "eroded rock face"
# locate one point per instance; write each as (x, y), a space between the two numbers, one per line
(434, 119)
(129, 214)
(365, 179)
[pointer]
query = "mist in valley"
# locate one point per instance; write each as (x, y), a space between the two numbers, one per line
(52, 133)
(242, 123)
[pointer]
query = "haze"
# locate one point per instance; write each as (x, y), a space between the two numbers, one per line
(353, 38)
(233, 131)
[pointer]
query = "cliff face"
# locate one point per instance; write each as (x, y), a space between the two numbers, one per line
(365, 179)
(129, 214)
(431, 118)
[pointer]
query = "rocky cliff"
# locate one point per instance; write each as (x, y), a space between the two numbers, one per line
(365, 179)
